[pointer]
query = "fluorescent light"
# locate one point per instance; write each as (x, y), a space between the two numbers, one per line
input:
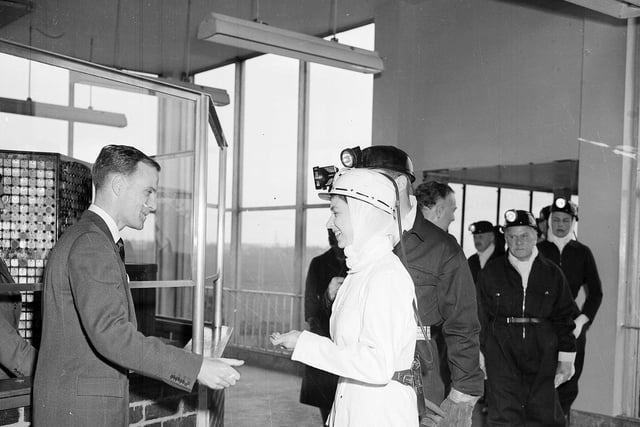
(262, 38)
(61, 112)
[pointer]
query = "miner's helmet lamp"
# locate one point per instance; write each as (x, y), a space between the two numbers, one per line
(378, 157)
(560, 204)
(480, 227)
(365, 185)
(323, 176)
(514, 218)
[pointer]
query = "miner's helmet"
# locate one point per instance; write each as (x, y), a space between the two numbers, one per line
(480, 227)
(366, 185)
(514, 218)
(544, 213)
(560, 204)
(378, 157)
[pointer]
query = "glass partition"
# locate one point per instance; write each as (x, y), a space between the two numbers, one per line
(51, 105)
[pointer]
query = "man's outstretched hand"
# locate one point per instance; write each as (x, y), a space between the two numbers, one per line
(218, 373)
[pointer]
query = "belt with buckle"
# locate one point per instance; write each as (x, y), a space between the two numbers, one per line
(523, 320)
(421, 336)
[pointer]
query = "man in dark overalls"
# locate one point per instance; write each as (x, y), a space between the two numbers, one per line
(487, 245)
(526, 312)
(579, 267)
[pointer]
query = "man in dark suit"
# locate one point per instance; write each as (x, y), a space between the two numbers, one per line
(90, 340)
(17, 356)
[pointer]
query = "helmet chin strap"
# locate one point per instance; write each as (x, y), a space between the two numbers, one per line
(398, 216)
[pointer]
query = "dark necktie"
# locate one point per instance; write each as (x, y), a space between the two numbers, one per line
(120, 244)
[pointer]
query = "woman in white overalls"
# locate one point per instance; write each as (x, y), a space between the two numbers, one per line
(373, 329)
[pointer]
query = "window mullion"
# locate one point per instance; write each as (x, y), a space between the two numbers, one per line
(301, 179)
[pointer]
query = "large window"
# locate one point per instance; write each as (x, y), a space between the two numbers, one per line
(291, 116)
(340, 116)
(270, 132)
(21, 79)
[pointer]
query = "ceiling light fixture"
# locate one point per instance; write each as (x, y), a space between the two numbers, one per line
(61, 112)
(28, 107)
(260, 37)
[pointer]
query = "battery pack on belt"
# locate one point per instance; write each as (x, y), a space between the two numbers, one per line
(412, 377)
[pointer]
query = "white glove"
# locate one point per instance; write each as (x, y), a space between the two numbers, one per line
(483, 366)
(564, 372)
(580, 321)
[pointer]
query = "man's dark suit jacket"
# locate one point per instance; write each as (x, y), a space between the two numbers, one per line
(17, 356)
(90, 339)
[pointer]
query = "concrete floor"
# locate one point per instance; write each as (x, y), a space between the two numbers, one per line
(270, 398)
(267, 398)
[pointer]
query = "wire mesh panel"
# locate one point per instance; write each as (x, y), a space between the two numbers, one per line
(254, 315)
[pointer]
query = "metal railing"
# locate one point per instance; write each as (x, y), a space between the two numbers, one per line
(254, 315)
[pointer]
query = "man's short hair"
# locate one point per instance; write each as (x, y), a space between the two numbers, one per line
(121, 159)
(428, 193)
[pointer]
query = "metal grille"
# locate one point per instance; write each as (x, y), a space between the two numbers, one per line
(44, 193)
(256, 314)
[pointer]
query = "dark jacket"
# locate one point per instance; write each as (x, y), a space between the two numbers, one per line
(521, 358)
(17, 356)
(500, 295)
(579, 267)
(90, 340)
(446, 298)
(319, 387)
(474, 261)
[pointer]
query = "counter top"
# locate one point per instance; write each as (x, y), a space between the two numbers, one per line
(15, 393)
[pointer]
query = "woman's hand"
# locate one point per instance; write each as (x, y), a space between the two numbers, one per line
(287, 341)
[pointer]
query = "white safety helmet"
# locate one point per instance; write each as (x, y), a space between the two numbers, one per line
(366, 185)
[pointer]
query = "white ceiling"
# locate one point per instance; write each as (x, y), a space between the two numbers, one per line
(159, 36)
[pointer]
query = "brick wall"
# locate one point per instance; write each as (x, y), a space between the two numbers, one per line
(151, 404)
(18, 417)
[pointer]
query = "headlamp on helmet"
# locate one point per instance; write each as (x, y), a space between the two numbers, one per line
(351, 157)
(378, 157)
(323, 176)
(480, 227)
(514, 218)
(567, 206)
